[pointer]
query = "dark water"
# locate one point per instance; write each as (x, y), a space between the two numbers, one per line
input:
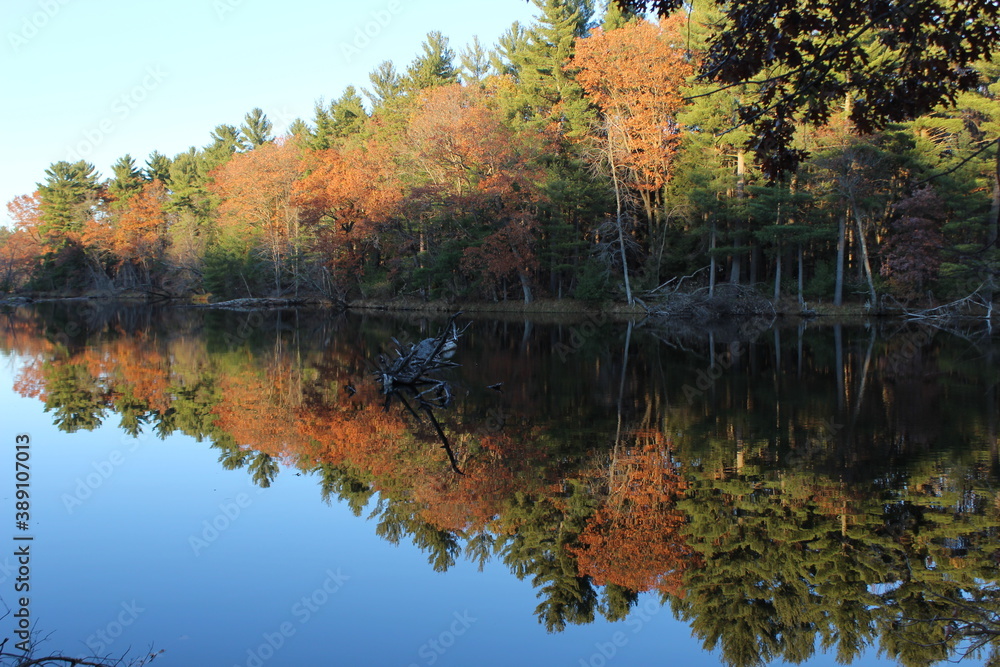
(231, 488)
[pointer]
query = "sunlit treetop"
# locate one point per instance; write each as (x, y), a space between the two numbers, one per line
(887, 60)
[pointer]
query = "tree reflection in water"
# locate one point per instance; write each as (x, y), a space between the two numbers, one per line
(833, 488)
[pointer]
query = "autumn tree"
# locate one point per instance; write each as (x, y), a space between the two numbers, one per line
(471, 165)
(258, 215)
(347, 197)
(805, 58)
(136, 236)
(634, 75)
(20, 247)
(911, 250)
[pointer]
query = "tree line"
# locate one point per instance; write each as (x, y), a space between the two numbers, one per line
(580, 156)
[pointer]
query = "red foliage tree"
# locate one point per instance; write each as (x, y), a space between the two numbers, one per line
(21, 248)
(473, 167)
(911, 251)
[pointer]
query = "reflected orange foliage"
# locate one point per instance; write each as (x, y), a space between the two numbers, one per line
(635, 538)
(259, 409)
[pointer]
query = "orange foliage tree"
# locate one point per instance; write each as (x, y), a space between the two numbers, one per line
(634, 75)
(20, 248)
(134, 239)
(258, 208)
(479, 179)
(347, 196)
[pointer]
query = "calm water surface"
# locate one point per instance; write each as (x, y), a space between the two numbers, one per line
(232, 488)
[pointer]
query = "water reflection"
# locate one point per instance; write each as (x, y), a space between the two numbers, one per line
(783, 491)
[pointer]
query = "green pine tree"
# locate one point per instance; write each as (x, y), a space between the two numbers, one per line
(157, 168)
(475, 63)
(256, 129)
(69, 195)
(434, 67)
(126, 180)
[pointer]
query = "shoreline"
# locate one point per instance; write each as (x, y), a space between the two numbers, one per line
(570, 307)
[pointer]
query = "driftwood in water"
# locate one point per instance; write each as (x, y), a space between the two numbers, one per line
(410, 370)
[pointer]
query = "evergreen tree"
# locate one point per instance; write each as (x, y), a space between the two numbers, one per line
(475, 63)
(343, 117)
(226, 141)
(616, 17)
(126, 179)
(68, 196)
(387, 85)
(547, 91)
(434, 67)
(157, 167)
(506, 55)
(256, 128)
(299, 129)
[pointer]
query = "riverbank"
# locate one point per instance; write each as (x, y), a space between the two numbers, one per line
(785, 308)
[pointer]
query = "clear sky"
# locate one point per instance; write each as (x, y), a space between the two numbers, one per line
(101, 78)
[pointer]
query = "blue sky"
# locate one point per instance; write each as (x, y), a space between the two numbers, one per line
(97, 80)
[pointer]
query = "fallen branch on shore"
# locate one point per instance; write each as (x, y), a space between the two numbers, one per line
(703, 304)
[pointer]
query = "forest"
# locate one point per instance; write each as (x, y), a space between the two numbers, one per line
(578, 157)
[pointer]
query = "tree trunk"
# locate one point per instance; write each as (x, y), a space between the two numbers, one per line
(741, 192)
(525, 286)
(802, 302)
(838, 290)
(618, 219)
(777, 275)
(864, 257)
(712, 262)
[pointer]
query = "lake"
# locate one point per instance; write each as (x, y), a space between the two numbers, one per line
(237, 489)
